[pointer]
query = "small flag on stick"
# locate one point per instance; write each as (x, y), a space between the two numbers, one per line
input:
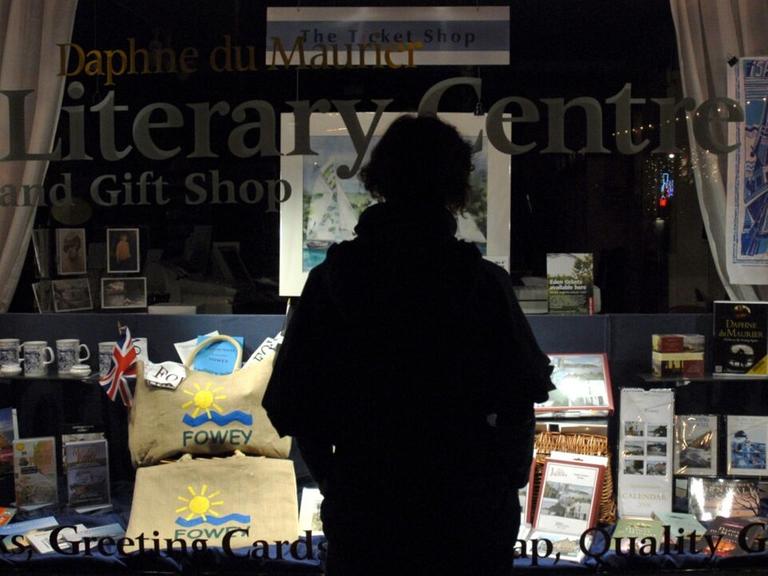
(123, 368)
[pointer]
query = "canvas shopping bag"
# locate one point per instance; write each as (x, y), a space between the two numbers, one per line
(206, 498)
(206, 414)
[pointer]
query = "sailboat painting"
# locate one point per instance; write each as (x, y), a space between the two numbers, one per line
(331, 205)
(323, 208)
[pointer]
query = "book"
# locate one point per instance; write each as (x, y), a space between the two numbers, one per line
(637, 528)
(41, 539)
(677, 343)
(728, 531)
(680, 523)
(569, 283)
(740, 341)
(569, 497)
(6, 515)
(87, 473)
(564, 546)
(712, 497)
(34, 471)
(8, 433)
(682, 364)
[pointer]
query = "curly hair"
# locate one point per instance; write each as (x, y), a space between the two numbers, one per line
(420, 160)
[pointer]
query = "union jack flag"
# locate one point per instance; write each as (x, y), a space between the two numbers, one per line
(123, 369)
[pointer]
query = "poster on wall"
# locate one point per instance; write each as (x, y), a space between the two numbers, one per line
(747, 197)
(324, 208)
(645, 452)
(391, 36)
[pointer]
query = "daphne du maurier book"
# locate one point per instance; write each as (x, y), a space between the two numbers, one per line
(740, 341)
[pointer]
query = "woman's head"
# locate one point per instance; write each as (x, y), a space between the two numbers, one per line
(420, 161)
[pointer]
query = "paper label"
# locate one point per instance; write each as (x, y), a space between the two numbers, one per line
(269, 346)
(164, 375)
(184, 349)
(219, 357)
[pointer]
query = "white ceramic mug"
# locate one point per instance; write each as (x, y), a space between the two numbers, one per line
(35, 362)
(105, 357)
(9, 351)
(68, 353)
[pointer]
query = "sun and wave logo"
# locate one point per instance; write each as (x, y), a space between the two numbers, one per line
(200, 508)
(206, 408)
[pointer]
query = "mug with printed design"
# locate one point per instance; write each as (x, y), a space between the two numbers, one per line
(34, 354)
(69, 352)
(9, 351)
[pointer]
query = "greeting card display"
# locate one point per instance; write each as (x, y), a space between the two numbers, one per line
(645, 452)
(696, 445)
(747, 437)
(582, 386)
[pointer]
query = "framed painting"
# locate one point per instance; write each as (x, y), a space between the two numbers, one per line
(323, 208)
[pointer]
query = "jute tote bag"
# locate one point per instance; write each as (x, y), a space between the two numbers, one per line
(206, 498)
(207, 414)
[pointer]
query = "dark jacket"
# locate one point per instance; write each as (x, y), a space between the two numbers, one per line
(404, 348)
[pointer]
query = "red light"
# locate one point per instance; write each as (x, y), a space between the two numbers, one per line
(662, 202)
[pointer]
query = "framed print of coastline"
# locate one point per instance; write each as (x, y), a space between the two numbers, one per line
(583, 386)
(696, 445)
(323, 208)
(569, 497)
(747, 438)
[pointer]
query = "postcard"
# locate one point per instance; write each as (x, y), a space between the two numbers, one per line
(747, 438)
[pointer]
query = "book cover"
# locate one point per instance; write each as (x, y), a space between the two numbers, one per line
(680, 523)
(87, 472)
(7, 436)
(638, 529)
(569, 497)
(34, 470)
(740, 343)
(712, 497)
(569, 282)
(729, 529)
(696, 445)
(747, 439)
(6, 514)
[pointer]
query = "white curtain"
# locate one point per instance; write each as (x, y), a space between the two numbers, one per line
(709, 34)
(29, 60)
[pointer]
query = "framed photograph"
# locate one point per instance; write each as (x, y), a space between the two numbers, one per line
(124, 292)
(709, 498)
(569, 497)
(696, 445)
(583, 386)
(70, 251)
(43, 295)
(72, 295)
(747, 437)
(324, 208)
(123, 250)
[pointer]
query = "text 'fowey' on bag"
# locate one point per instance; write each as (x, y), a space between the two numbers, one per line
(207, 414)
(252, 498)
